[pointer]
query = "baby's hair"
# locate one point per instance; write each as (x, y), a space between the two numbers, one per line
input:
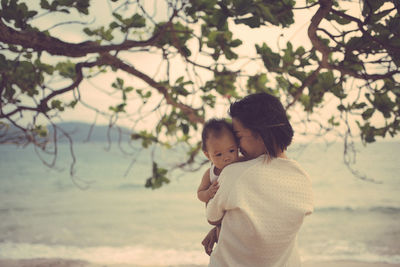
(215, 127)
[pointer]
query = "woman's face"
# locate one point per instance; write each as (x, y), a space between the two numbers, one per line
(251, 144)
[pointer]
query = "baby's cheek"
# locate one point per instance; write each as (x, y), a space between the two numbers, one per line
(219, 165)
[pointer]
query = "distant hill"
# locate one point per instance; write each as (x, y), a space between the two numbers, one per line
(82, 132)
(79, 132)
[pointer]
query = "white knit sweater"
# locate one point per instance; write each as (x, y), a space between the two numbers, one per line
(263, 205)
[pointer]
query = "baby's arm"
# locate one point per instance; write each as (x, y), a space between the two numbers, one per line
(206, 190)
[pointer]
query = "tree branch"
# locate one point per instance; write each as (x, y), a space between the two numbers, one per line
(54, 46)
(117, 63)
(43, 107)
(305, 83)
(360, 25)
(322, 12)
(78, 80)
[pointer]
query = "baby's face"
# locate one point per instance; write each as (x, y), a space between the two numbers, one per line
(222, 150)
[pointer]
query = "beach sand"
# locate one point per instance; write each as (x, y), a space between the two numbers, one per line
(79, 263)
(347, 264)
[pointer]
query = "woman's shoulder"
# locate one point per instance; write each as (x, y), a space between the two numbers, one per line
(238, 168)
(285, 164)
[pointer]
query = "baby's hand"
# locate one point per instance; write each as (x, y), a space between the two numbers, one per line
(209, 241)
(212, 190)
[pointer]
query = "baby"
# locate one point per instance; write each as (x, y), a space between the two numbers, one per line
(221, 148)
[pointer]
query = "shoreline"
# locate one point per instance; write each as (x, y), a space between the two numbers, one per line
(56, 262)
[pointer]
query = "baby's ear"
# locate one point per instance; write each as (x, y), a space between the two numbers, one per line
(206, 154)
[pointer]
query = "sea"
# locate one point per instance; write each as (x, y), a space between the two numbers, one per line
(105, 215)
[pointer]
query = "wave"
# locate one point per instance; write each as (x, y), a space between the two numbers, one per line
(137, 255)
(334, 250)
(147, 256)
(377, 209)
(130, 186)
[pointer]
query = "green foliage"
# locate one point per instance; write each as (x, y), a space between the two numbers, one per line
(223, 83)
(26, 76)
(40, 130)
(102, 33)
(179, 89)
(72, 104)
(145, 96)
(158, 178)
(368, 132)
(382, 102)
(332, 121)
(66, 69)
(171, 123)
(271, 60)
(118, 108)
(124, 24)
(209, 99)
(12, 11)
(338, 19)
(257, 83)
(57, 104)
(65, 5)
(176, 35)
(257, 13)
(370, 6)
(221, 42)
(146, 137)
(324, 82)
(119, 85)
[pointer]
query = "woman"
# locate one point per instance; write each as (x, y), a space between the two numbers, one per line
(261, 202)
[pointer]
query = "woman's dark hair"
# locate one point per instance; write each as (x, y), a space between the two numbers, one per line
(264, 114)
(215, 127)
